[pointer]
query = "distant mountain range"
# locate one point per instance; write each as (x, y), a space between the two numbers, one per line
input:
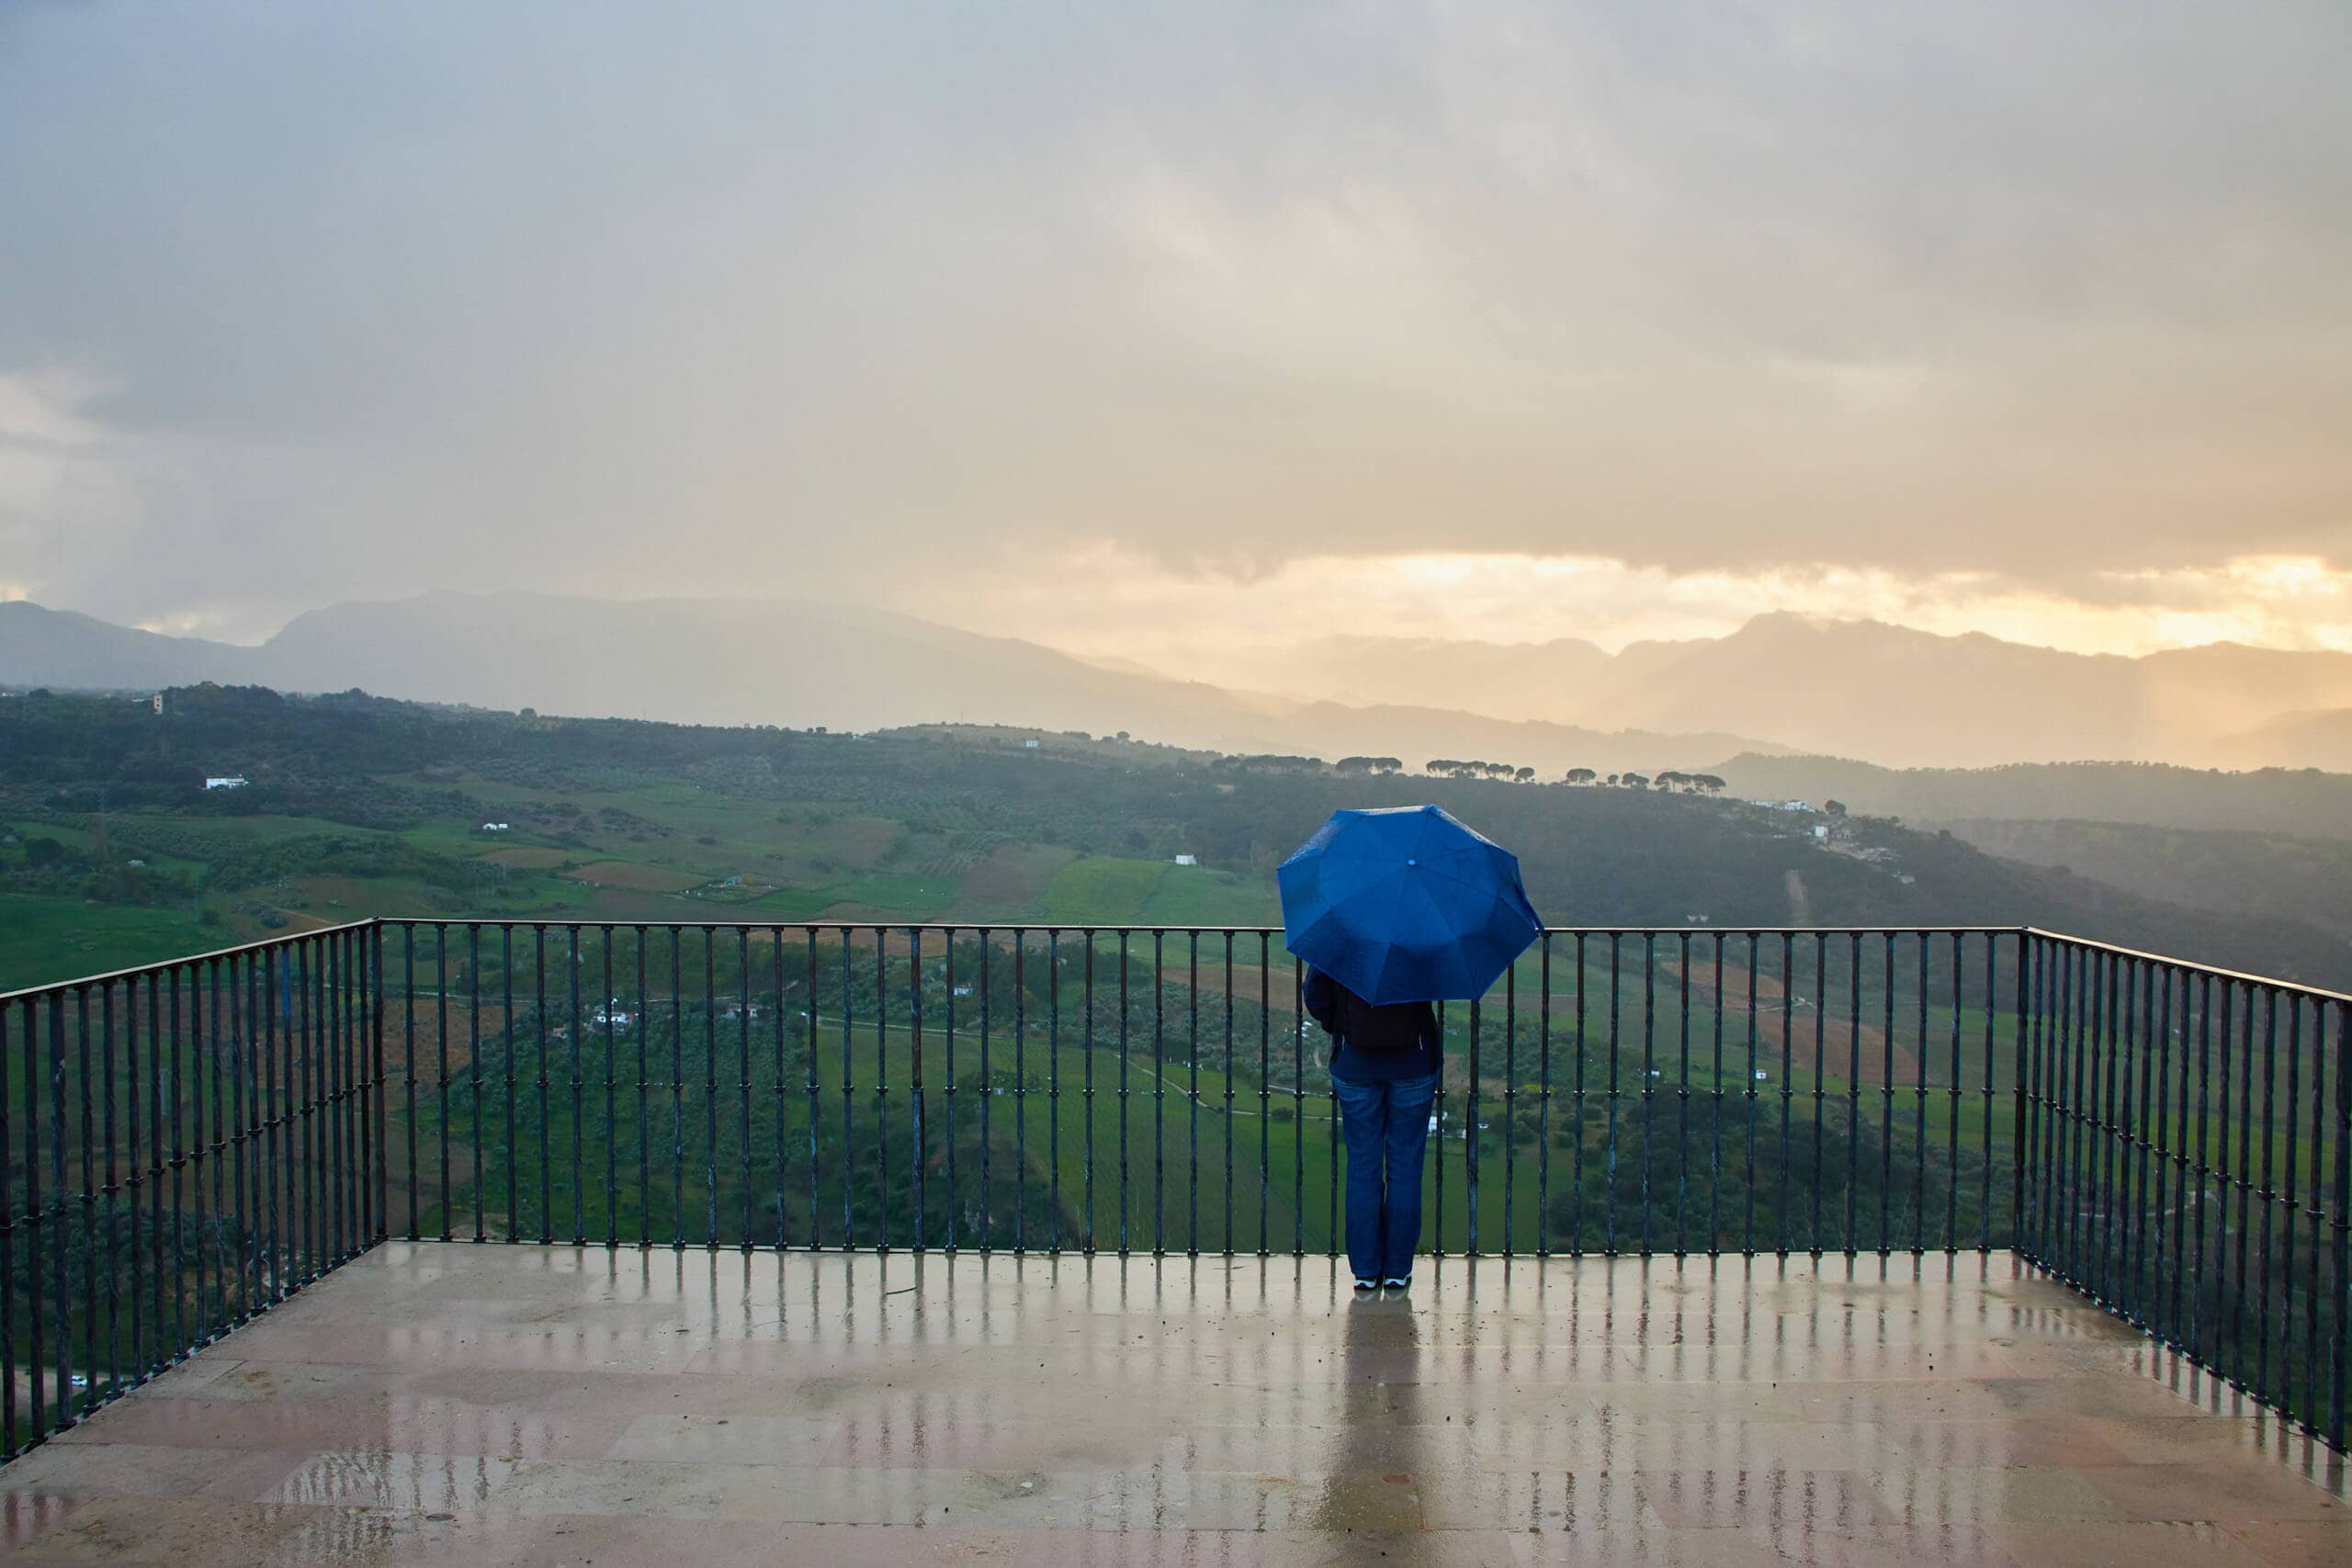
(1896, 696)
(735, 661)
(1781, 683)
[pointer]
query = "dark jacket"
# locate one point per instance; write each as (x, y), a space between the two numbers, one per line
(1397, 1041)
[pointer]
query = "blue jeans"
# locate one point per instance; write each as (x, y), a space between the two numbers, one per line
(1387, 1125)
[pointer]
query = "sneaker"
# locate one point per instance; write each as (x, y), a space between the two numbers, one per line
(1367, 1284)
(1399, 1283)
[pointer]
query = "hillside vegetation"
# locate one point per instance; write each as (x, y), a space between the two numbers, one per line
(359, 806)
(2304, 802)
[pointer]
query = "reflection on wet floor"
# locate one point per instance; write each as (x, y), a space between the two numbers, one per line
(448, 1402)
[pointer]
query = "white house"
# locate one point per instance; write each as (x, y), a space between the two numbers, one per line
(235, 783)
(1188, 860)
(493, 826)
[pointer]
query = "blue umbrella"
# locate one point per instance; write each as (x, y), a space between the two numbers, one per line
(1406, 904)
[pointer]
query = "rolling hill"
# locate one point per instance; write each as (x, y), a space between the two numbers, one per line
(797, 664)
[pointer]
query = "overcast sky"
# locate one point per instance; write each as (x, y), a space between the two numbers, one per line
(1133, 328)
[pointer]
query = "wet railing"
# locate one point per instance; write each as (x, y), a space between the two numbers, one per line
(2188, 1163)
(1025, 1088)
(188, 1143)
(184, 1145)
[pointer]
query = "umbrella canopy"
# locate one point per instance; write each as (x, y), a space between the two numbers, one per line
(1406, 904)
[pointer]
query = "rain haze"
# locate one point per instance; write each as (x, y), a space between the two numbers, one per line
(1173, 336)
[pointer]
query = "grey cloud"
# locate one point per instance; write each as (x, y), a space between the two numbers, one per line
(625, 299)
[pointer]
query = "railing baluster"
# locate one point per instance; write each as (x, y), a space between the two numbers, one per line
(2339, 1306)
(880, 1098)
(2284, 1397)
(2318, 1283)
(1715, 1120)
(86, 1197)
(1682, 1093)
(1298, 1108)
(988, 1101)
(1086, 1059)
(2197, 1312)
(1052, 1096)
(1608, 1172)
(1230, 1073)
(743, 1085)
(1650, 1074)
(9, 1233)
(1265, 1094)
(849, 1131)
(881, 1092)
(1576, 1244)
(240, 984)
(136, 1180)
(954, 1203)
(1820, 1070)
(1122, 1094)
(1854, 1096)
(914, 1089)
(1193, 1113)
(816, 1205)
(1511, 1103)
(280, 1159)
(1886, 1113)
(610, 1005)
(2245, 1199)
(2263, 1197)
(1160, 1101)
(1470, 1134)
(1958, 1077)
(644, 1089)
(776, 949)
(1919, 1126)
(1544, 1099)
(203, 1028)
(1021, 1092)
(572, 1041)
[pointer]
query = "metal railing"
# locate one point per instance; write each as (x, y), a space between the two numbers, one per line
(184, 1145)
(1133, 1089)
(2184, 1126)
(1159, 1090)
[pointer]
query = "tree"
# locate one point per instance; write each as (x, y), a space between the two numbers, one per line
(1707, 782)
(1581, 776)
(1613, 780)
(1834, 807)
(1636, 781)
(1668, 779)
(1437, 766)
(1523, 774)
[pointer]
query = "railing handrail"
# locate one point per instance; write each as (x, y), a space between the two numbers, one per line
(2238, 976)
(135, 971)
(2269, 982)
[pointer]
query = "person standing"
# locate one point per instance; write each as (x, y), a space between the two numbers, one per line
(1385, 1064)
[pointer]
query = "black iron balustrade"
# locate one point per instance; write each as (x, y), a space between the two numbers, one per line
(2183, 1127)
(184, 1145)
(187, 1142)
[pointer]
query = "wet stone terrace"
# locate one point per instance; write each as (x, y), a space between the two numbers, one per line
(448, 1402)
